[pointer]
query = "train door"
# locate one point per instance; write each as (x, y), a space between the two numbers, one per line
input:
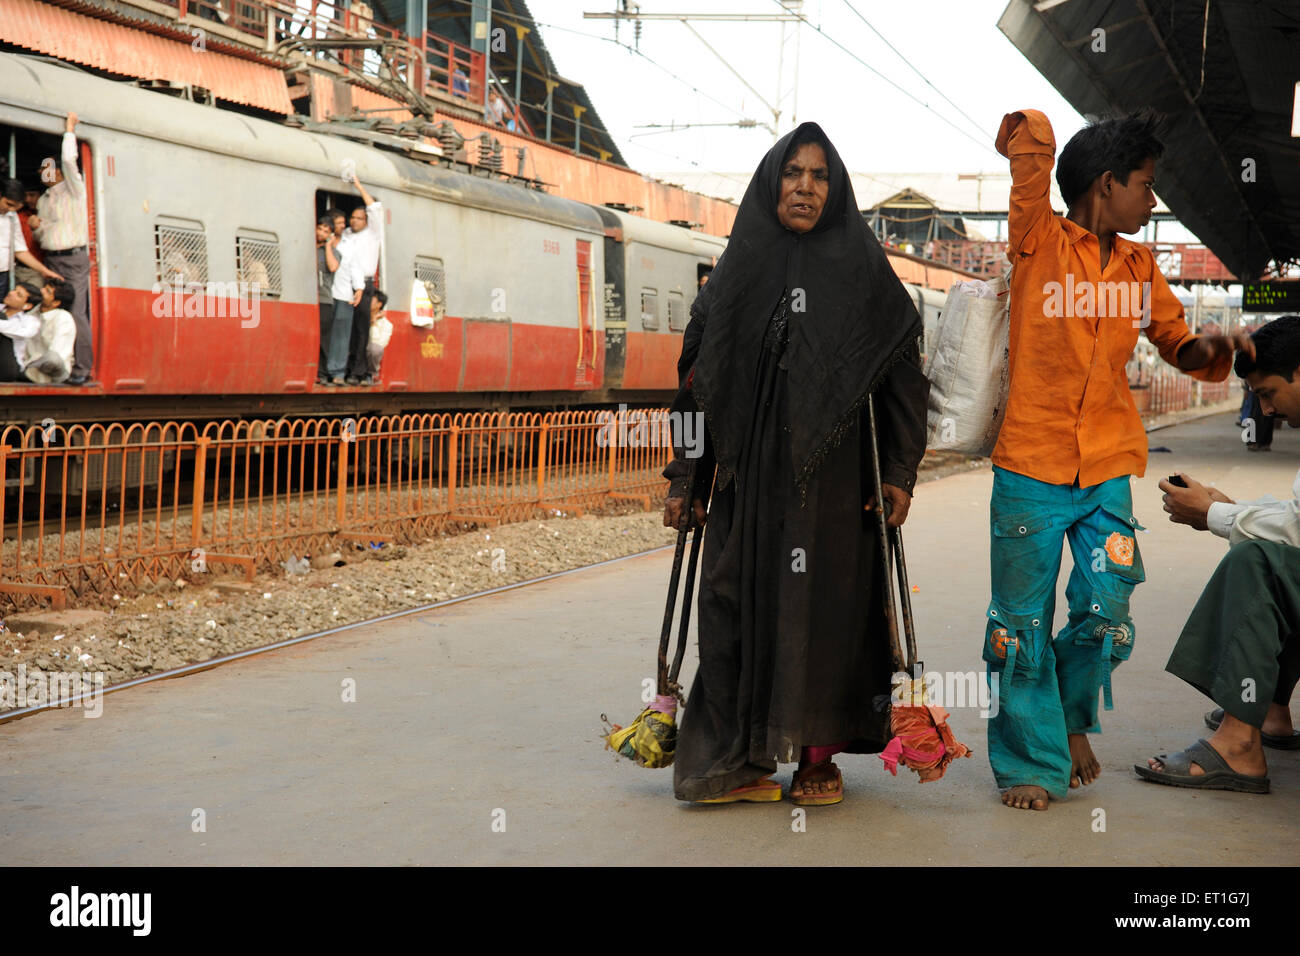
(614, 302)
(585, 374)
(24, 158)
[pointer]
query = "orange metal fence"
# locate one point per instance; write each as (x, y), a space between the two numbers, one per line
(95, 509)
(98, 509)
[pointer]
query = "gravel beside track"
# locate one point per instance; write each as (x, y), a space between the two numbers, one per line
(202, 616)
(176, 623)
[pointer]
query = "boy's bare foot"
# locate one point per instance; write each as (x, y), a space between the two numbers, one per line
(1026, 797)
(1084, 768)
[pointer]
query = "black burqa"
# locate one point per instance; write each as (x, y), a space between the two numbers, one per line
(786, 341)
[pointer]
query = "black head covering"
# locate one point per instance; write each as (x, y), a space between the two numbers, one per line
(857, 318)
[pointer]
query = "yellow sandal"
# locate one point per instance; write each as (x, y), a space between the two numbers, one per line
(762, 790)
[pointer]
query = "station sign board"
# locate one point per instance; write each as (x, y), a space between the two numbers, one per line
(1271, 296)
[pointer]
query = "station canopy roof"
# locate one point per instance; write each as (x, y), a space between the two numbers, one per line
(1226, 101)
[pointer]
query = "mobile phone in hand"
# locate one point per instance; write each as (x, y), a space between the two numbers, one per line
(1177, 480)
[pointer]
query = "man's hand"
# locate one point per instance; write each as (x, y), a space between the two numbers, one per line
(71, 123)
(675, 514)
(899, 502)
(34, 222)
(51, 274)
(356, 297)
(1190, 505)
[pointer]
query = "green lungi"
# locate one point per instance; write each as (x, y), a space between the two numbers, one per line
(1235, 647)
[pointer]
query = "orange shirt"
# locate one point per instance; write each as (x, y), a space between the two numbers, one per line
(1073, 329)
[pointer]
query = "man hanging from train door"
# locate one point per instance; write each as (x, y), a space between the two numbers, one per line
(62, 229)
(366, 236)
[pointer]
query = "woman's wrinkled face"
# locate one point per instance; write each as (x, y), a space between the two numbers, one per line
(805, 181)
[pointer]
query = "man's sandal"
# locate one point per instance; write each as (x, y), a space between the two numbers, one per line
(1215, 717)
(817, 799)
(1218, 775)
(762, 790)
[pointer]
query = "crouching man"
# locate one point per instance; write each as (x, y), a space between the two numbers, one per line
(50, 352)
(1239, 646)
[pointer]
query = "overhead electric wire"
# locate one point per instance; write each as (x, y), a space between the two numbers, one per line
(911, 96)
(915, 70)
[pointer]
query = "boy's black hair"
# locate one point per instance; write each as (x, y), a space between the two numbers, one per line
(13, 190)
(1120, 144)
(336, 213)
(382, 297)
(326, 220)
(65, 293)
(1277, 349)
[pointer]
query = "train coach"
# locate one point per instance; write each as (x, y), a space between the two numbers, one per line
(539, 301)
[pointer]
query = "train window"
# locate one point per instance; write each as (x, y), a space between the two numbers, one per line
(650, 309)
(181, 252)
(257, 260)
(676, 311)
(430, 271)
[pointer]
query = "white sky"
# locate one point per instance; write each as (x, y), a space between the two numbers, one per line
(955, 44)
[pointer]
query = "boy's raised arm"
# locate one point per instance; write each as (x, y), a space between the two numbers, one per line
(1026, 138)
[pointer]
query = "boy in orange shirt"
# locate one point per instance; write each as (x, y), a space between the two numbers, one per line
(1071, 439)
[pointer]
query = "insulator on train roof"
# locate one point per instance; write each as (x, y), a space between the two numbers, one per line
(449, 138)
(490, 153)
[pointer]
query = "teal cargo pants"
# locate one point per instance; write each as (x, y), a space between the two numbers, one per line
(1048, 688)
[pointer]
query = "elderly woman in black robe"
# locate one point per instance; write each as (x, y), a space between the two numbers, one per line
(800, 322)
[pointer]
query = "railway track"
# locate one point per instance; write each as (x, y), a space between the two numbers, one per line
(188, 669)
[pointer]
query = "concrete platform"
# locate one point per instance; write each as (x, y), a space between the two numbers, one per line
(488, 711)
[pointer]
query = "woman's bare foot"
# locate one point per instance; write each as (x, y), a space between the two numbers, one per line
(815, 781)
(1084, 768)
(1238, 743)
(1026, 797)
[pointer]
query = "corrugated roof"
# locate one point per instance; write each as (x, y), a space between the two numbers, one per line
(119, 49)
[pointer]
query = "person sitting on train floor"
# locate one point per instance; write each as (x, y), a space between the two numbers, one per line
(327, 264)
(347, 290)
(50, 351)
(366, 234)
(14, 248)
(1239, 645)
(61, 228)
(381, 331)
(19, 322)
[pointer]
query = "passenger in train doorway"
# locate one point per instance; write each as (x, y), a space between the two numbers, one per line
(61, 228)
(802, 319)
(381, 331)
(19, 323)
(365, 235)
(49, 356)
(18, 261)
(327, 263)
(347, 290)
